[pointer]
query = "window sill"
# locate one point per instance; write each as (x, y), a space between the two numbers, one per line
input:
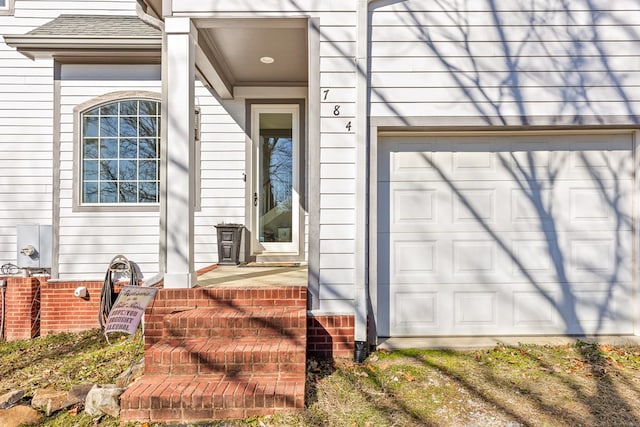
(117, 208)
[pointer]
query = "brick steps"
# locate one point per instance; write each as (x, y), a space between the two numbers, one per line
(221, 353)
(226, 355)
(193, 398)
(236, 322)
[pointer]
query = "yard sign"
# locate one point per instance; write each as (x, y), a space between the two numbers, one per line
(128, 309)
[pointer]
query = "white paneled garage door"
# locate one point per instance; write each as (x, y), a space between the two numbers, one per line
(497, 235)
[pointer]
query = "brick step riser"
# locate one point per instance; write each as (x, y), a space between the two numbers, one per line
(237, 305)
(249, 303)
(255, 392)
(220, 402)
(233, 332)
(233, 298)
(241, 352)
(225, 368)
(196, 399)
(291, 327)
(197, 415)
(246, 359)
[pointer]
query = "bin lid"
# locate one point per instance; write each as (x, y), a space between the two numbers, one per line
(223, 225)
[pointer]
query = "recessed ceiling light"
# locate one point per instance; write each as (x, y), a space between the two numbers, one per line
(267, 60)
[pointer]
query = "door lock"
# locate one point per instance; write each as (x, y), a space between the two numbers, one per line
(255, 199)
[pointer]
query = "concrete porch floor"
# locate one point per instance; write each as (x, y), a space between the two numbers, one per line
(255, 275)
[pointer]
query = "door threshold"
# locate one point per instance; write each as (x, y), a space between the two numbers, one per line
(277, 258)
(273, 264)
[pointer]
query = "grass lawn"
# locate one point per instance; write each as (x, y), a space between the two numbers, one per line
(572, 385)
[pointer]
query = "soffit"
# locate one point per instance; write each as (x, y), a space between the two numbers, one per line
(235, 47)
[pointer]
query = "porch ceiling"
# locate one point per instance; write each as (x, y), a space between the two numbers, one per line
(234, 48)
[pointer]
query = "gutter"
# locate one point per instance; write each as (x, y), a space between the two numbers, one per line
(37, 44)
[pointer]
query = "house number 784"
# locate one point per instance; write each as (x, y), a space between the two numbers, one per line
(336, 108)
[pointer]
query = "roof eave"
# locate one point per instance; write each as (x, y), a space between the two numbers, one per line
(47, 47)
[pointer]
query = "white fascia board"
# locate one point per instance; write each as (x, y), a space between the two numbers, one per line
(217, 82)
(39, 47)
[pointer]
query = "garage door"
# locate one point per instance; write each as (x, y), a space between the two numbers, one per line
(505, 235)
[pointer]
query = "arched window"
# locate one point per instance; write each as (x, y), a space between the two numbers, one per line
(120, 153)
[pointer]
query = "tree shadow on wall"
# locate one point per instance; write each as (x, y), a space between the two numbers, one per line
(549, 65)
(564, 61)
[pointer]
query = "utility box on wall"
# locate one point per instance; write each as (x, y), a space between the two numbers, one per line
(33, 246)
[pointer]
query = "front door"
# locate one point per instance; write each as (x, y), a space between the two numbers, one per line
(275, 216)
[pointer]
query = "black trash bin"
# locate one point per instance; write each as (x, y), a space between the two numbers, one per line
(229, 236)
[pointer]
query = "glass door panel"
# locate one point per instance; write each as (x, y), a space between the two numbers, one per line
(275, 160)
(276, 201)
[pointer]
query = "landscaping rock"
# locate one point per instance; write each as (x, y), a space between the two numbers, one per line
(103, 399)
(50, 401)
(79, 392)
(7, 400)
(130, 375)
(19, 415)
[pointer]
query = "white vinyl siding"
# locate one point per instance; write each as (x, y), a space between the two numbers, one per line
(337, 164)
(521, 62)
(136, 234)
(222, 166)
(264, 7)
(6, 7)
(89, 239)
(26, 117)
(52, 9)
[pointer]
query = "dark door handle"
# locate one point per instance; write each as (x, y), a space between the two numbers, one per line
(255, 199)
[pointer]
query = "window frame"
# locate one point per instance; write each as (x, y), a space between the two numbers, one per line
(78, 113)
(8, 8)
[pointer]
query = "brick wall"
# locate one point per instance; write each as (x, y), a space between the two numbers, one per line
(330, 336)
(63, 312)
(21, 306)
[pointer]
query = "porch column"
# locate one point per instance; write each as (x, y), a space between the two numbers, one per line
(178, 191)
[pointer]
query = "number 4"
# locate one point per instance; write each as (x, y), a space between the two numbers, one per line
(348, 126)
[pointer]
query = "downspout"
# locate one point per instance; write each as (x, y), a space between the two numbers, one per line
(361, 303)
(149, 19)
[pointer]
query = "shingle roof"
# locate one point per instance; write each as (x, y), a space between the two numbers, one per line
(96, 26)
(73, 35)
